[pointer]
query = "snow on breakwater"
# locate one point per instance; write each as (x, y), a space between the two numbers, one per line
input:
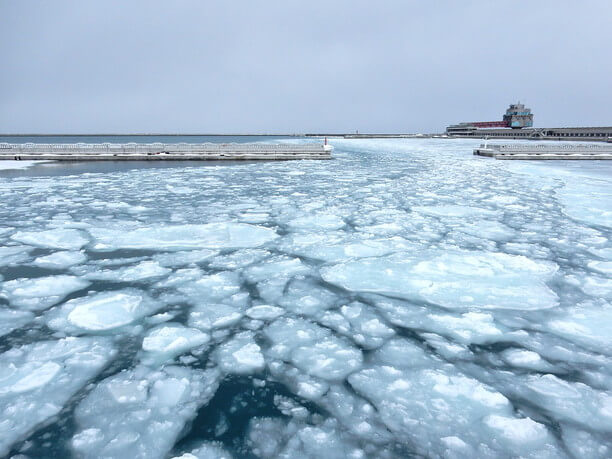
(381, 305)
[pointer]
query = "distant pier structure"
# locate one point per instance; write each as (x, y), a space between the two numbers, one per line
(517, 123)
(548, 151)
(163, 152)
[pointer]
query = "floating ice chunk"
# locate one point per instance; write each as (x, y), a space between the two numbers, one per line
(490, 229)
(239, 259)
(454, 211)
(518, 435)
(603, 253)
(214, 315)
(285, 267)
(329, 251)
(169, 340)
(306, 298)
(367, 328)
(471, 327)
(356, 415)
(598, 287)
(572, 401)
(424, 406)
(183, 237)
(172, 260)
(254, 217)
(529, 250)
(66, 239)
(586, 444)
(14, 255)
(206, 451)
(329, 359)
(452, 279)
(588, 200)
(60, 260)
(268, 437)
(40, 293)
(212, 288)
(240, 355)
(382, 229)
(12, 320)
(402, 353)
(604, 267)
(36, 380)
(588, 324)
(525, 359)
(272, 290)
(142, 271)
(140, 413)
(317, 222)
(288, 333)
(264, 312)
(101, 312)
(160, 318)
(181, 277)
(289, 407)
(447, 349)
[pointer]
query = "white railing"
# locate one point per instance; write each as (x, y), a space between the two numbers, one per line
(559, 148)
(115, 148)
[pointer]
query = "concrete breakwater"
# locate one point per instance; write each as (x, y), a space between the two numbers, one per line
(546, 151)
(162, 152)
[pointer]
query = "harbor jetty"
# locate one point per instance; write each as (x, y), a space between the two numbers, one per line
(546, 151)
(162, 152)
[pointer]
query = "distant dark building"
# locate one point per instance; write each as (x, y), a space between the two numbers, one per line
(517, 124)
(516, 117)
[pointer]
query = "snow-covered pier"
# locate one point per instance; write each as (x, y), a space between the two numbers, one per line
(545, 151)
(162, 152)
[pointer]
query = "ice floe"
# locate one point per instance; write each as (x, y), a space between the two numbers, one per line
(11, 319)
(41, 292)
(241, 355)
(452, 279)
(140, 413)
(14, 255)
(36, 380)
(144, 270)
(101, 312)
(264, 312)
(182, 237)
(66, 239)
(437, 408)
(60, 260)
(169, 340)
(206, 451)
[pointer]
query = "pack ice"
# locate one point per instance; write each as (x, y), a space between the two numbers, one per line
(40, 293)
(67, 239)
(140, 413)
(181, 237)
(378, 305)
(101, 312)
(37, 379)
(452, 279)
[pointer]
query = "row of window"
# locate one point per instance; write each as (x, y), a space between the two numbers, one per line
(578, 134)
(527, 134)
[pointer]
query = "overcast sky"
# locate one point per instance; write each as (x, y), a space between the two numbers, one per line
(300, 66)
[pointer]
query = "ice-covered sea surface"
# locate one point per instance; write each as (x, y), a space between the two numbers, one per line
(406, 299)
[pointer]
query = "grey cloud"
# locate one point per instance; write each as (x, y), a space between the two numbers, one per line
(296, 66)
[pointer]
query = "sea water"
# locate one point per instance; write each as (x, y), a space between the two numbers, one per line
(405, 299)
